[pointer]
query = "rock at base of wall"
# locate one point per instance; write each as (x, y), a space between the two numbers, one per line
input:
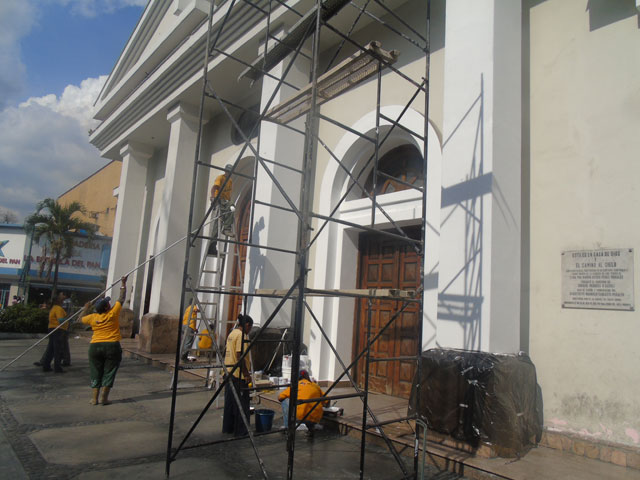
(126, 323)
(158, 333)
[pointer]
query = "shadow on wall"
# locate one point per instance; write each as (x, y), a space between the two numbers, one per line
(256, 261)
(606, 12)
(466, 310)
(465, 307)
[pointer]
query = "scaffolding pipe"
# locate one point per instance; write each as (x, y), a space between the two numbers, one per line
(69, 319)
(311, 23)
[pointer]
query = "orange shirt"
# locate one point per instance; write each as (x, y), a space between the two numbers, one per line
(307, 390)
(105, 326)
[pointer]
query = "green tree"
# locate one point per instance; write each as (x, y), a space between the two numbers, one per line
(57, 225)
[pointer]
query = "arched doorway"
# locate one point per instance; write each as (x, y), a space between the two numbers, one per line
(384, 263)
(337, 252)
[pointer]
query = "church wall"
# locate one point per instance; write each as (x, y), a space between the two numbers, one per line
(584, 101)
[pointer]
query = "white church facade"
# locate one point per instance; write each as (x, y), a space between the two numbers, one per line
(532, 147)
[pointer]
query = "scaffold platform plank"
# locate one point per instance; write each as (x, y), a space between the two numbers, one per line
(355, 292)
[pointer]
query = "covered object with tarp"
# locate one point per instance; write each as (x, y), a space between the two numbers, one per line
(480, 397)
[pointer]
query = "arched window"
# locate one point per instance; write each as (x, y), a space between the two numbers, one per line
(246, 122)
(398, 169)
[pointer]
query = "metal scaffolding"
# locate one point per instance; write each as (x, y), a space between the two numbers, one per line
(328, 79)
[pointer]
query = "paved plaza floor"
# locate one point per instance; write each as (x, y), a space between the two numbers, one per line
(49, 430)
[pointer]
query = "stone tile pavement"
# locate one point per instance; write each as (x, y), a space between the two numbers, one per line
(48, 430)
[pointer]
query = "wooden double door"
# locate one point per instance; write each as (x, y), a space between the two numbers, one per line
(239, 259)
(388, 263)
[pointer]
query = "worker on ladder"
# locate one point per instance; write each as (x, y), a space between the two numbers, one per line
(224, 212)
(189, 330)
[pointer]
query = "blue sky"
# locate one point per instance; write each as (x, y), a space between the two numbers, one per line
(54, 57)
(65, 48)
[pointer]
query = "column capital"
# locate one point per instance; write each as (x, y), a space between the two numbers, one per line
(138, 150)
(185, 111)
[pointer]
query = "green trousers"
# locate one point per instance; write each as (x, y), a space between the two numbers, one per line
(104, 360)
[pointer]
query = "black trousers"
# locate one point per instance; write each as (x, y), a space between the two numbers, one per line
(232, 420)
(66, 353)
(54, 350)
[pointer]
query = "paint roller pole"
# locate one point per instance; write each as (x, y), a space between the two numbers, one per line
(103, 292)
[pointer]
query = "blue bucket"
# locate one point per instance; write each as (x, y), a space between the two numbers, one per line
(264, 419)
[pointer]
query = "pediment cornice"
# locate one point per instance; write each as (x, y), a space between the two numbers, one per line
(179, 70)
(164, 25)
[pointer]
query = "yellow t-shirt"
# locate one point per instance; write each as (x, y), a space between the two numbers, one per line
(234, 351)
(226, 193)
(190, 312)
(56, 314)
(105, 326)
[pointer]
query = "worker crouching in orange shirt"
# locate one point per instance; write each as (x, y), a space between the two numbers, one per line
(306, 390)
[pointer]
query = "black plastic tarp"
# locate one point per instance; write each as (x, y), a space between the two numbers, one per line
(267, 352)
(480, 397)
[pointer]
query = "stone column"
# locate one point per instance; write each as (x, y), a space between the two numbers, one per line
(479, 281)
(276, 269)
(133, 178)
(174, 210)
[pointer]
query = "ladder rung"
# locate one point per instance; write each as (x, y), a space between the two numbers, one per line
(232, 289)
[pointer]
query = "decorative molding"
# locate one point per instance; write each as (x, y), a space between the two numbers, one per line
(184, 111)
(175, 73)
(136, 149)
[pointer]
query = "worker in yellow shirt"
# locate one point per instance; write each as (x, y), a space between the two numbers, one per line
(224, 212)
(105, 352)
(237, 343)
(310, 412)
(55, 346)
(189, 330)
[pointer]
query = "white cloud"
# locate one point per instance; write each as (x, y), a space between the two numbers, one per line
(75, 102)
(44, 146)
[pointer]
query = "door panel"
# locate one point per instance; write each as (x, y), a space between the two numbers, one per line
(385, 263)
(239, 261)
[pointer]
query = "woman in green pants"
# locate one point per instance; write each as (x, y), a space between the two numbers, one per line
(105, 352)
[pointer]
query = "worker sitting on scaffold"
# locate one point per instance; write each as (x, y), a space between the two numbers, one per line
(224, 212)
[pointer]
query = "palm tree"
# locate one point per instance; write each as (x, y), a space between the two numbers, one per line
(57, 224)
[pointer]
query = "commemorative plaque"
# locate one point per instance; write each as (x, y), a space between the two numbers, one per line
(598, 279)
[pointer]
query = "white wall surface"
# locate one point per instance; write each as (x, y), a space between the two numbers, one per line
(585, 99)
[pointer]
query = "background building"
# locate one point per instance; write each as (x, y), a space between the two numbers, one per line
(99, 194)
(83, 275)
(532, 152)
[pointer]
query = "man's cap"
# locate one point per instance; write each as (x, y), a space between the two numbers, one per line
(304, 374)
(228, 167)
